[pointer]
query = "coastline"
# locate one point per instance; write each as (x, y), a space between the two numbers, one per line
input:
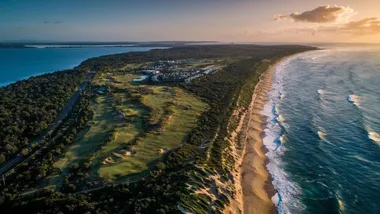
(35, 67)
(254, 193)
(253, 182)
(255, 178)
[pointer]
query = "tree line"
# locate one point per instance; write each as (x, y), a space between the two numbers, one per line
(29, 106)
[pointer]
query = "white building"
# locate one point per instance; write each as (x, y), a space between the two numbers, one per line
(150, 72)
(141, 78)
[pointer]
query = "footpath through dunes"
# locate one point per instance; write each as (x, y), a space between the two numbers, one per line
(257, 189)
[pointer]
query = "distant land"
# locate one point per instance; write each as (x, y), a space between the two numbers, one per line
(52, 44)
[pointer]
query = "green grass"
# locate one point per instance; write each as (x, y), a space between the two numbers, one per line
(185, 111)
(173, 112)
(157, 102)
(125, 135)
(132, 66)
(227, 61)
(51, 182)
(90, 139)
(126, 81)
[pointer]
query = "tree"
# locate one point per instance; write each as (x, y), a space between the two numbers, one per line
(2, 158)
(25, 151)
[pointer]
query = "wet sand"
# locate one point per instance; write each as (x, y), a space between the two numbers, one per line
(256, 182)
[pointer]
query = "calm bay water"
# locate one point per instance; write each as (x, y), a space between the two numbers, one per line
(17, 64)
(323, 132)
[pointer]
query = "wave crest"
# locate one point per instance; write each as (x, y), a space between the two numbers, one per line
(322, 135)
(357, 157)
(274, 138)
(375, 137)
(355, 99)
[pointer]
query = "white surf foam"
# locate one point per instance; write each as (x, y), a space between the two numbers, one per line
(341, 206)
(322, 135)
(375, 137)
(283, 139)
(280, 118)
(276, 199)
(315, 55)
(287, 191)
(355, 99)
(361, 158)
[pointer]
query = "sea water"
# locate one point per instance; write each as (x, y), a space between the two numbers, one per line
(326, 105)
(18, 64)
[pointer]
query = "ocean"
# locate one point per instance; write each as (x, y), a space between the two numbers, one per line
(323, 132)
(18, 64)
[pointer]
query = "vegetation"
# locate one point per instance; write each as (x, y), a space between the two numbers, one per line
(38, 169)
(144, 122)
(8, 45)
(92, 137)
(172, 179)
(28, 107)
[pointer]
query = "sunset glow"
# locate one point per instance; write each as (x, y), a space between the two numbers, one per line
(226, 20)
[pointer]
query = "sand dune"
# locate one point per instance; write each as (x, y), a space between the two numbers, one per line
(255, 179)
(253, 184)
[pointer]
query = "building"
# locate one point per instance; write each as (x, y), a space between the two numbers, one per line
(142, 78)
(150, 72)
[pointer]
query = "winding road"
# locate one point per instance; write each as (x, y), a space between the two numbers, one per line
(69, 105)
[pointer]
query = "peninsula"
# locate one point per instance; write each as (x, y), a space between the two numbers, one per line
(134, 130)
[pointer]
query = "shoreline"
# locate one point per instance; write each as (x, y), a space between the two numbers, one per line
(71, 64)
(254, 179)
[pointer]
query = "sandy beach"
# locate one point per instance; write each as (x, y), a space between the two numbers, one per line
(253, 185)
(255, 179)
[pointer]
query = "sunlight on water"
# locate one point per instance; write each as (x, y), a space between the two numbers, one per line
(331, 96)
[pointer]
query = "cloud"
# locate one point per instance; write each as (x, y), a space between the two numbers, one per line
(53, 22)
(321, 14)
(365, 26)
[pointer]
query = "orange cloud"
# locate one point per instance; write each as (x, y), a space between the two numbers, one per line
(321, 14)
(350, 30)
(365, 26)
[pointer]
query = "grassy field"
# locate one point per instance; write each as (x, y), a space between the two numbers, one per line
(90, 139)
(132, 66)
(185, 110)
(146, 120)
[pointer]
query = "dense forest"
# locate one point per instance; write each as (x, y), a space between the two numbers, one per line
(166, 187)
(10, 45)
(28, 107)
(186, 52)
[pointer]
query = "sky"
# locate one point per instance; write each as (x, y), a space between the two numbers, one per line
(292, 21)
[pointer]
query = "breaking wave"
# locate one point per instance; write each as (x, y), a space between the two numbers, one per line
(375, 137)
(322, 151)
(274, 137)
(322, 135)
(357, 157)
(355, 99)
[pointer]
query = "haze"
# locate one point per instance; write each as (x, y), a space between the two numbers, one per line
(211, 20)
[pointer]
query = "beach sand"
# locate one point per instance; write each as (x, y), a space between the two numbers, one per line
(252, 181)
(255, 179)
